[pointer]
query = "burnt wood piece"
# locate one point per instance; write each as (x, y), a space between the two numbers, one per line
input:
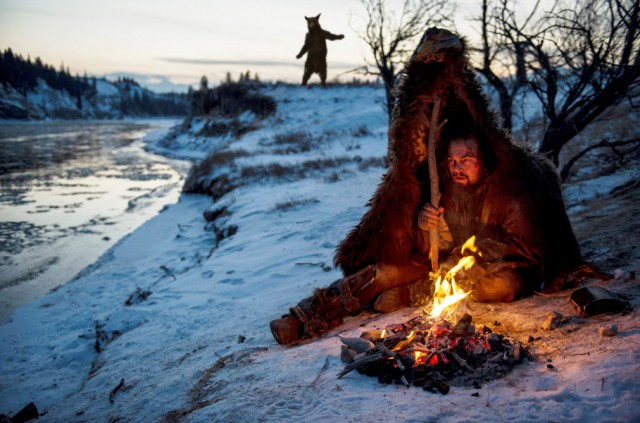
(414, 353)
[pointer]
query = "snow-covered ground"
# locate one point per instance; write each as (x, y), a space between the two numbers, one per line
(169, 327)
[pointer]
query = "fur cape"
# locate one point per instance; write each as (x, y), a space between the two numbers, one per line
(388, 232)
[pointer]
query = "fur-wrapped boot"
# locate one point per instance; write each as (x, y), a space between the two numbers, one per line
(326, 308)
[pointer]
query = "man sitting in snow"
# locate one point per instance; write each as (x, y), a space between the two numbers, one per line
(509, 266)
(509, 197)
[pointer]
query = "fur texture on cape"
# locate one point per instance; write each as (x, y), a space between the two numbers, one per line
(388, 232)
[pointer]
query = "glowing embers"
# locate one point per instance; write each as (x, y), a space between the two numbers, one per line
(432, 353)
(446, 292)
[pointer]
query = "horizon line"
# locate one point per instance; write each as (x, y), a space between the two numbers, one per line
(238, 62)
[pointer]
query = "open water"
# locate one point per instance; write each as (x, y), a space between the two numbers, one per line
(68, 192)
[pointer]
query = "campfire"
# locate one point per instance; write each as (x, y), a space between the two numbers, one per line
(429, 351)
(446, 294)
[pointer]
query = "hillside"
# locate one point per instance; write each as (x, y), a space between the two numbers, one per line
(112, 100)
(172, 324)
(33, 90)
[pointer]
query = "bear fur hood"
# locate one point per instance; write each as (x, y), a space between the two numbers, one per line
(388, 231)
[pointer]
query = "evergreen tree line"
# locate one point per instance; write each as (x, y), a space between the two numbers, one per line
(231, 98)
(22, 74)
(141, 103)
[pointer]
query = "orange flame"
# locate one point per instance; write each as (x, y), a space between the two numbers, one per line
(470, 245)
(447, 293)
(433, 360)
(400, 345)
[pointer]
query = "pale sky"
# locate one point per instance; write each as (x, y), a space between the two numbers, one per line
(177, 41)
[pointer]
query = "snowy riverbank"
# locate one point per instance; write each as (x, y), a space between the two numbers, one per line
(167, 326)
(68, 191)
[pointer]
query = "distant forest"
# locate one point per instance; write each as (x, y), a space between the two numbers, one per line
(22, 74)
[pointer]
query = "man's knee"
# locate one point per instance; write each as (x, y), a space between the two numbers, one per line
(390, 276)
(505, 286)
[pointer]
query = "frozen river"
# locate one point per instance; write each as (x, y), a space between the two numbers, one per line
(68, 192)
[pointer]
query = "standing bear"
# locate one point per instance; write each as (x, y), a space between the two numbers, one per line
(315, 45)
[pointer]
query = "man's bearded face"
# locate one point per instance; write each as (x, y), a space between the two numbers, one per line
(463, 163)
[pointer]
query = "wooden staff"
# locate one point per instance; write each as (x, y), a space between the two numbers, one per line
(434, 129)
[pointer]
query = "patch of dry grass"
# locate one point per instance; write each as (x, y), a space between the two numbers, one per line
(291, 172)
(295, 203)
(199, 180)
(291, 142)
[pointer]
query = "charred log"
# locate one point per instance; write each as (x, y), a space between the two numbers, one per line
(433, 354)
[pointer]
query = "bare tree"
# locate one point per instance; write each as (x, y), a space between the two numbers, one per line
(392, 34)
(578, 58)
(502, 56)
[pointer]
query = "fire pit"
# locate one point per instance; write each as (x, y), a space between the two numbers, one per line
(432, 354)
(429, 351)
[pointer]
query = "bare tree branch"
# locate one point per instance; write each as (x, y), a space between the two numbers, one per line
(391, 34)
(578, 58)
(564, 173)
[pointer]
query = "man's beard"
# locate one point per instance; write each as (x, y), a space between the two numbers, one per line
(460, 193)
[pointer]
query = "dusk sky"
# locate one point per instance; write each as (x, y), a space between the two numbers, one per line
(167, 45)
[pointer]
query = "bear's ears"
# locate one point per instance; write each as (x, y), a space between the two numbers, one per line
(316, 18)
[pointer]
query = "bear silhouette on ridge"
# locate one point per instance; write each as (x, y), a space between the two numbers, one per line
(315, 45)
